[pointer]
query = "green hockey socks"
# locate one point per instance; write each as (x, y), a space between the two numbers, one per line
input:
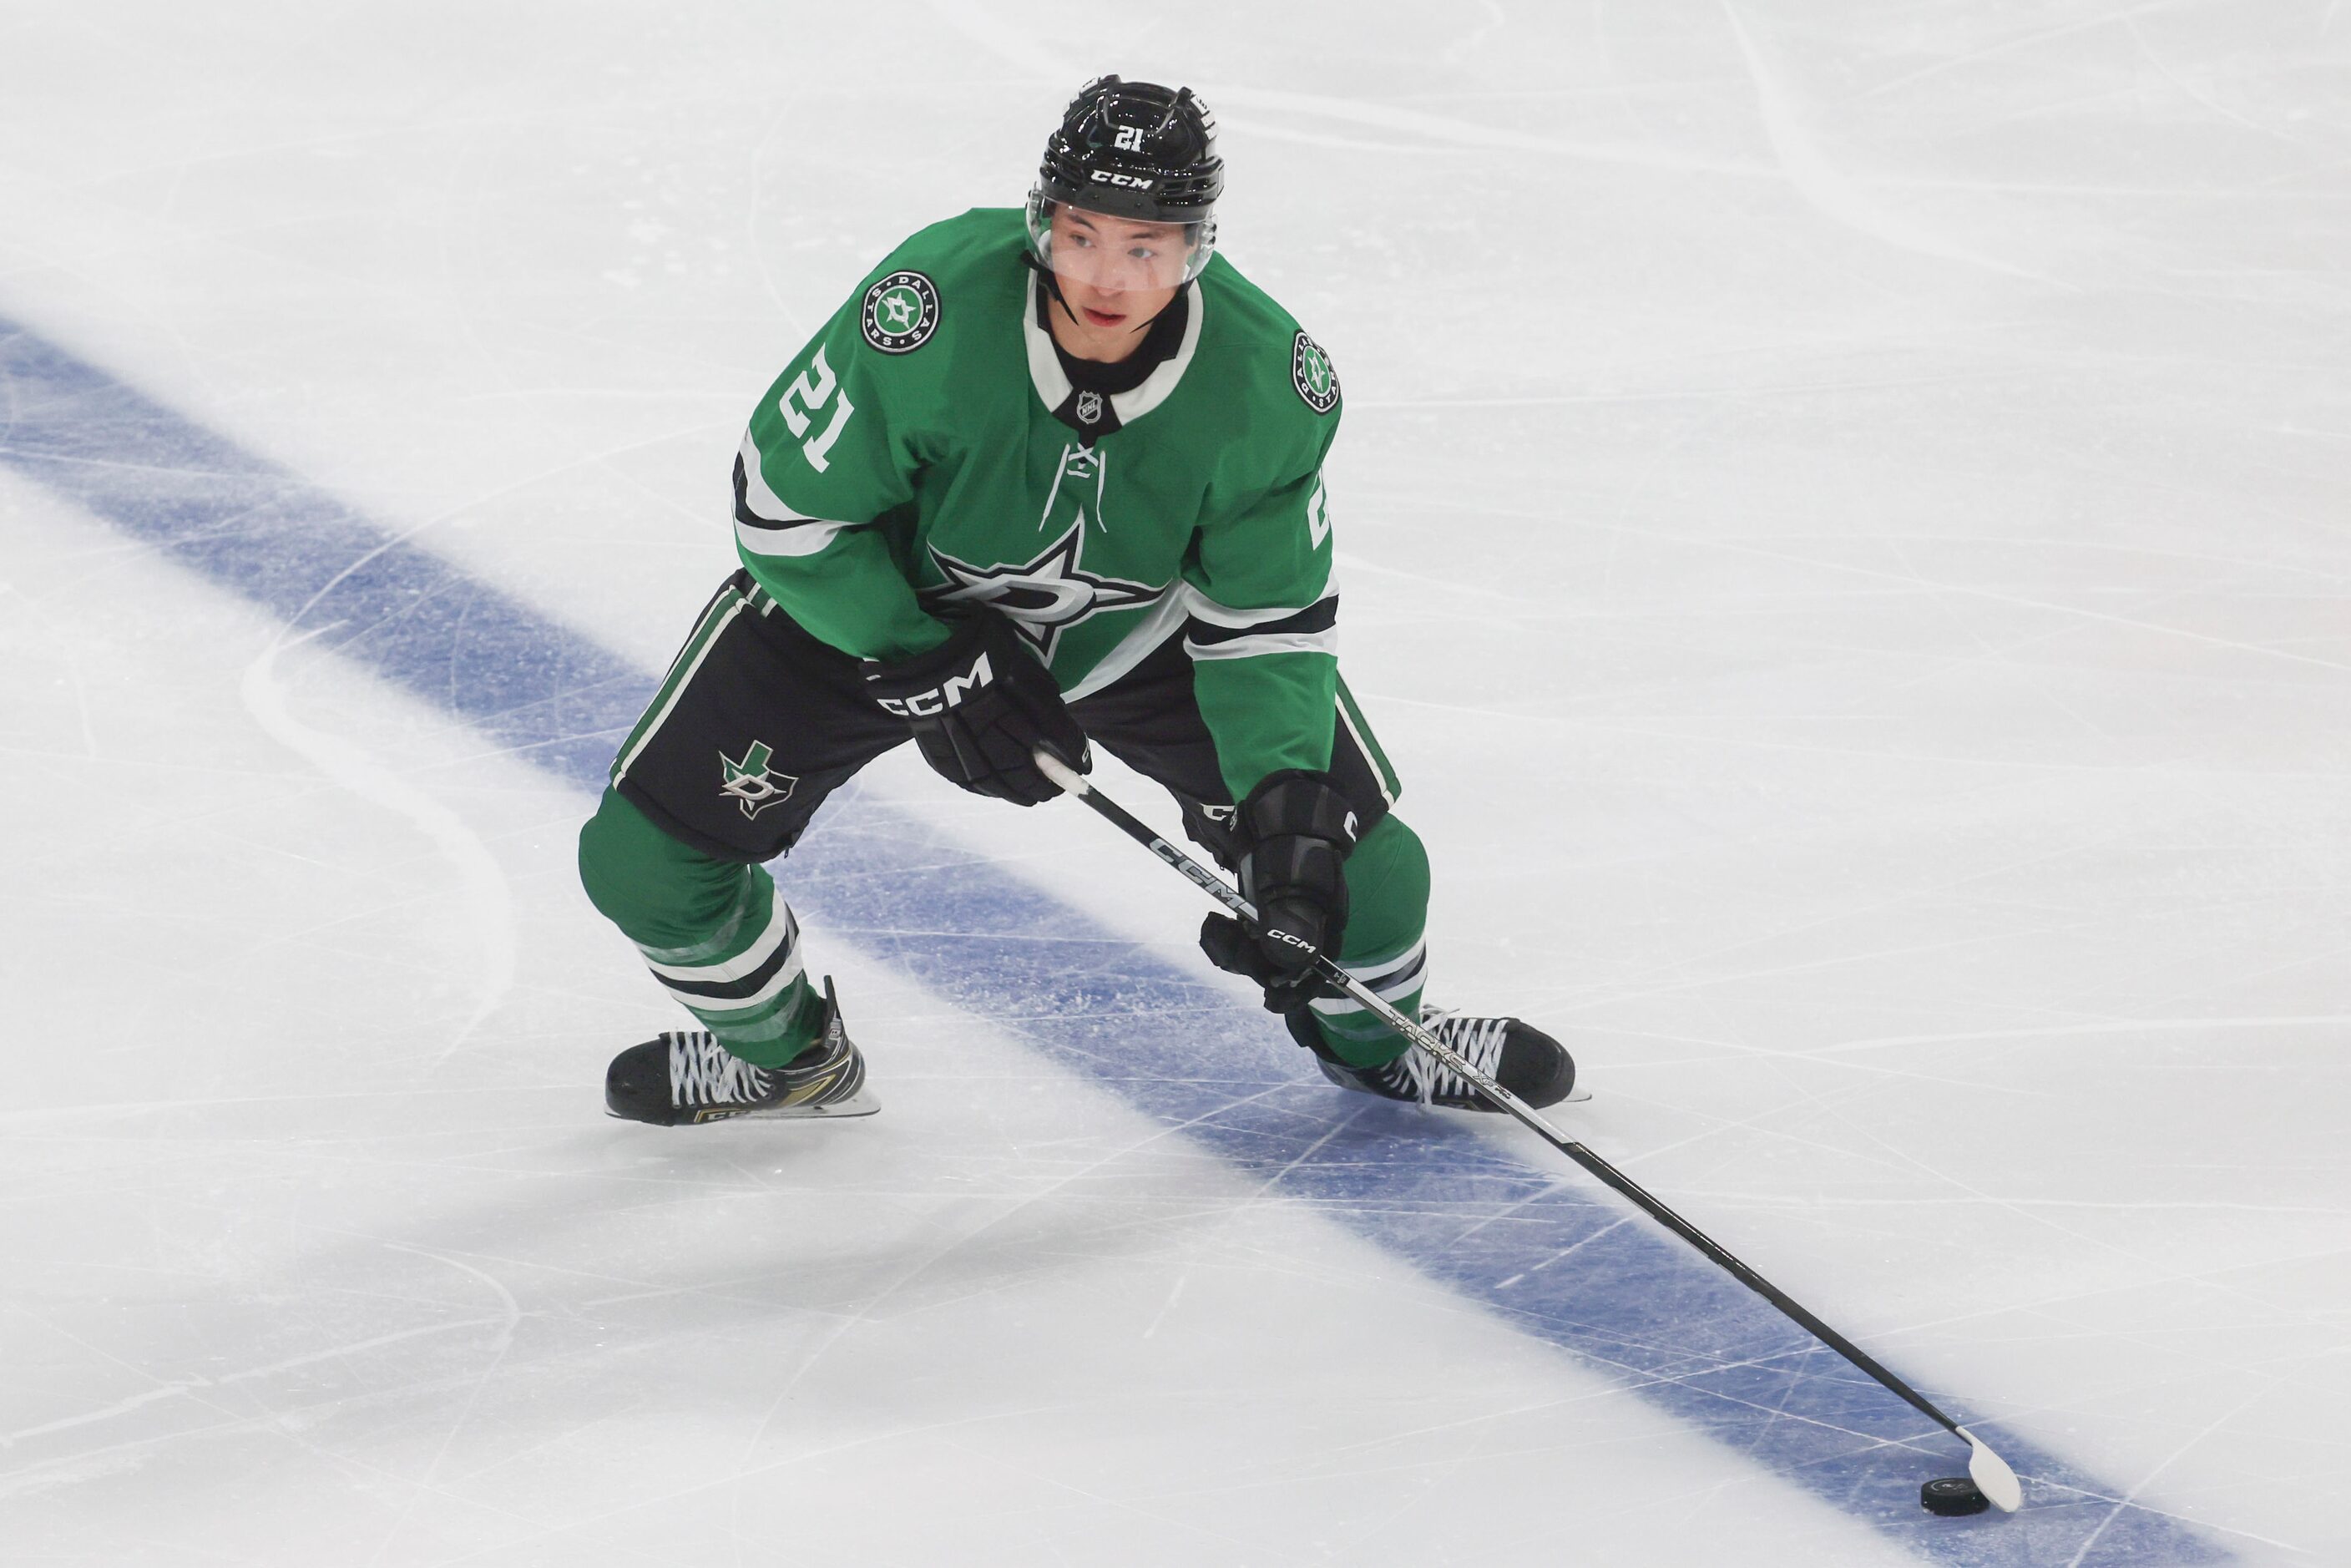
(1385, 946)
(719, 939)
(712, 932)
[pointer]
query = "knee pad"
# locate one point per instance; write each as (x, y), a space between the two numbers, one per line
(659, 891)
(1387, 890)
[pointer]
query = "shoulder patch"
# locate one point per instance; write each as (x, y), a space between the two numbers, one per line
(1311, 373)
(901, 312)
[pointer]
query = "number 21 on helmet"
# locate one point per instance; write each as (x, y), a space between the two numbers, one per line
(1125, 198)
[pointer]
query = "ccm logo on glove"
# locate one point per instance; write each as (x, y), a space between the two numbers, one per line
(938, 699)
(980, 706)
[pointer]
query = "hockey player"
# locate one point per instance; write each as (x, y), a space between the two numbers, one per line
(1044, 478)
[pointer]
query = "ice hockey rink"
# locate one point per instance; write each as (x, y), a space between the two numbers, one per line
(1842, 510)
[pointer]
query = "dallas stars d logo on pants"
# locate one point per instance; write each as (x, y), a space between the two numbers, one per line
(749, 781)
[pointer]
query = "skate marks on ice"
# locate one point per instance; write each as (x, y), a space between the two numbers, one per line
(339, 581)
(1462, 1209)
(489, 902)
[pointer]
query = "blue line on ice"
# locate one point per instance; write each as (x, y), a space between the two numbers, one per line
(1636, 1302)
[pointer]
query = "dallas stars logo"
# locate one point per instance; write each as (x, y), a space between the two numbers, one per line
(754, 788)
(900, 313)
(1311, 373)
(1044, 597)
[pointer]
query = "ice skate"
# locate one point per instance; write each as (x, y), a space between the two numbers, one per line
(1514, 1054)
(688, 1077)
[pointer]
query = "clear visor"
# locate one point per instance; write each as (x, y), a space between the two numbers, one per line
(1112, 255)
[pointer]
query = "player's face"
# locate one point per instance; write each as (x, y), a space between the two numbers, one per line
(1116, 273)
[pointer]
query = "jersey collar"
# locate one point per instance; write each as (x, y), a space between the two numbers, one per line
(1045, 369)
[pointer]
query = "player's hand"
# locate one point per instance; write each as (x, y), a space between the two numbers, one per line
(1290, 841)
(979, 704)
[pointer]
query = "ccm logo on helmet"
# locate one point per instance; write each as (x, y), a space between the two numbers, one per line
(1132, 182)
(947, 694)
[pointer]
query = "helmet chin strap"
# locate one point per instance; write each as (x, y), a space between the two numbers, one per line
(1053, 287)
(1052, 284)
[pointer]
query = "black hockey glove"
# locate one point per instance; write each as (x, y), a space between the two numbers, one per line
(1290, 841)
(979, 704)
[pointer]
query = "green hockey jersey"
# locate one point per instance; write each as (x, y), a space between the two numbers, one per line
(910, 459)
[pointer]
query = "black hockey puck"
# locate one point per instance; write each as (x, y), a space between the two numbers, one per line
(1953, 1497)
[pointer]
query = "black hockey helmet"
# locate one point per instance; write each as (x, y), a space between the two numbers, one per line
(1134, 151)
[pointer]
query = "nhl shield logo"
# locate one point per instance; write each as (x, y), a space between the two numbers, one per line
(1312, 374)
(1089, 408)
(750, 782)
(900, 313)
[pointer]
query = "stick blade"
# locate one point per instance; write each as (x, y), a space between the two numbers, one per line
(1992, 1475)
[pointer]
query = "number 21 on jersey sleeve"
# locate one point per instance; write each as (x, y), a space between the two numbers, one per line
(812, 395)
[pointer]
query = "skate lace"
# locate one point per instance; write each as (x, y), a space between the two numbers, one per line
(702, 1072)
(1477, 1040)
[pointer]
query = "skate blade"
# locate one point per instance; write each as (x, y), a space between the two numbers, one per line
(1577, 1095)
(861, 1104)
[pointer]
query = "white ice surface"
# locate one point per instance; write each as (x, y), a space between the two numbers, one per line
(1844, 515)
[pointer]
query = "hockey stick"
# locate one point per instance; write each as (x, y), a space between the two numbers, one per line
(1987, 1470)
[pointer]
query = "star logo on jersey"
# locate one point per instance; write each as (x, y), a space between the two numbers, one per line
(1311, 373)
(900, 313)
(1045, 596)
(750, 782)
